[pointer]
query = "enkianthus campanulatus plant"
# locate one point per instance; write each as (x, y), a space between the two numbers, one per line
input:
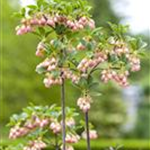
(72, 48)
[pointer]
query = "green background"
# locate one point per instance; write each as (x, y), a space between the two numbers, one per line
(20, 84)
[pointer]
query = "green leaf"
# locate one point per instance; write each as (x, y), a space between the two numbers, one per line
(74, 62)
(48, 49)
(88, 8)
(40, 70)
(40, 3)
(91, 125)
(113, 58)
(31, 12)
(82, 122)
(24, 115)
(83, 42)
(83, 83)
(124, 58)
(142, 54)
(136, 43)
(90, 54)
(23, 11)
(41, 30)
(94, 85)
(111, 40)
(56, 44)
(55, 73)
(15, 117)
(60, 29)
(90, 79)
(133, 43)
(32, 6)
(96, 94)
(96, 30)
(118, 30)
(141, 44)
(69, 8)
(77, 86)
(48, 32)
(36, 33)
(90, 46)
(17, 14)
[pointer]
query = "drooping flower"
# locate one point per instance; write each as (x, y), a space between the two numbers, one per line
(71, 138)
(55, 127)
(92, 134)
(84, 103)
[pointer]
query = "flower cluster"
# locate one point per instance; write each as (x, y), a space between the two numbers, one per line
(120, 47)
(29, 24)
(86, 63)
(48, 64)
(42, 122)
(84, 103)
(71, 138)
(28, 126)
(31, 124)
(17, 132)
(113, 75)
(68, 74)
(135, 63)
(70, 122)
(51, 80)
(23, 29)
(80, 23)
(51, 64)
(99, 57)
(55, 127)
(92, 134)
(121, 50)
(35, 145)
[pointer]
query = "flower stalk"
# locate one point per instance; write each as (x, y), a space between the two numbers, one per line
(87, 130)
(63, 112)
(56, 142)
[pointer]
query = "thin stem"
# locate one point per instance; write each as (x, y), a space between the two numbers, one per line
(87, 131)
(56, 142)
(63, 114)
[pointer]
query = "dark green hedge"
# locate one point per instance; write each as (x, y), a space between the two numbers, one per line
(103, 144)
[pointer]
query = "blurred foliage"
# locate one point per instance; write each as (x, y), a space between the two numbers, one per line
(109, 113)
(102, 12)
(21, 84)
(143, 120)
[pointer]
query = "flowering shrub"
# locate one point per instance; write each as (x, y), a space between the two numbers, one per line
(72, 48)
(38, 124)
